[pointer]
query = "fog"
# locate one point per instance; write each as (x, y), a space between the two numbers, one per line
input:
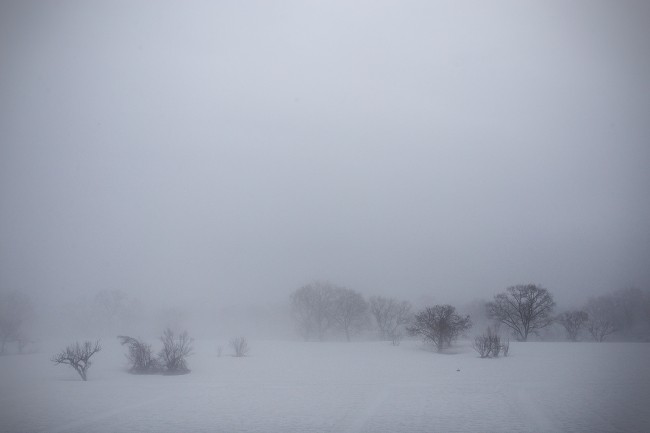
(211, 155)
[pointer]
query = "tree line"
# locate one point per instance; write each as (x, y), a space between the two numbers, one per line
(320, 309)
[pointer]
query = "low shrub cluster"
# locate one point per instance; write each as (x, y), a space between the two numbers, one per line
(490, 345)
(170, 360)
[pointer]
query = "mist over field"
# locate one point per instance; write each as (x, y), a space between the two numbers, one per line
(301, 174)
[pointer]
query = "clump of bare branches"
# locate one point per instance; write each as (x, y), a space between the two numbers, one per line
(78, 356)
(505, 347)
(240, 346)
(175, 350)
(489, 345)
(140, 356)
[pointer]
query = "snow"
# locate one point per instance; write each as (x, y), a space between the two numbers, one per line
(286, 386)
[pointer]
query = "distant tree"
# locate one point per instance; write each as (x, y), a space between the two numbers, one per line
(313, 307)
(78, 356)
(523, 308)
(573, 321)
(349, 311)
(175, 351)
(240, 346)
(631, 313)
(140, 356)
(390, 314)
(602, 317)
(16, 310)
(440, 325)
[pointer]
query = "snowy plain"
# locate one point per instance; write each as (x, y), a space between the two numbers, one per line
(290, 386)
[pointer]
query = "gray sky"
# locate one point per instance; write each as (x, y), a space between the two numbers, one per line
(233, 151)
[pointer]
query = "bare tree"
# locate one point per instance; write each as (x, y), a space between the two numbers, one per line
(390, 314)
(601, 322)
(240, 346)
(573, 321)
(349, 311)
(140, 356)
(629, 310)
(523, 308)
(312, 307)
(440, 325)
(175, 350)
(15, 311)
(78, 356)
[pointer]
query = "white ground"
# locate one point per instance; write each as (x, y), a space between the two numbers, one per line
(339, 387)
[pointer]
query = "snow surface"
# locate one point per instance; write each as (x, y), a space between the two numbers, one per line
(338, 387)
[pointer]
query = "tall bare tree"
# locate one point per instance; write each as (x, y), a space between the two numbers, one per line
(440, 325)
(523, 308)
(312, 307)
(349, 311)
(390, 314)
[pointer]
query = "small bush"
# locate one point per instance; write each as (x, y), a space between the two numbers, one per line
(482, 345)
(240, 346)
(140, 356)
(175, 350)
(505, 346)
(171, 358)
(489, 345)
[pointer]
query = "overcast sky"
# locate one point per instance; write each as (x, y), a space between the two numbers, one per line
(233, 151)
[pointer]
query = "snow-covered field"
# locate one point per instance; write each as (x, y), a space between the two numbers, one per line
(339, 387)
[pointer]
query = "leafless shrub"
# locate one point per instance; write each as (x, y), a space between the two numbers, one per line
(175, 350)
(505, 347)
(240, 346)
(396, 338)
(78, 356)
(488, 345)
(140, 356)
(219, 351)
(482, 346)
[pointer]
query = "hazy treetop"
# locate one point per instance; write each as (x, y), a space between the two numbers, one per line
(233, 151)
